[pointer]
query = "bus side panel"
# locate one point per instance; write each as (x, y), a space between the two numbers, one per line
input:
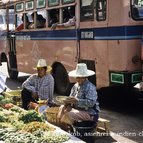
(26, 56)
(61, 51)
(97, 50)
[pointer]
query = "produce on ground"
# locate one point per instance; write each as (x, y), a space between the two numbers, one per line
(20, 126)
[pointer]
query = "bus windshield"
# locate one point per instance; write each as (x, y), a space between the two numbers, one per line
(1, 19)
(3, 22)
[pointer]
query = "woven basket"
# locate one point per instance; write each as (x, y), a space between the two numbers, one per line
(51, 114)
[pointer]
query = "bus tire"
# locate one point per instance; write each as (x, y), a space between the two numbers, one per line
(62, 83)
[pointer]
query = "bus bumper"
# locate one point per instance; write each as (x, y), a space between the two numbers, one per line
(125, 78)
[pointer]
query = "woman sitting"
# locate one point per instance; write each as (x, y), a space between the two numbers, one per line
(82, 103)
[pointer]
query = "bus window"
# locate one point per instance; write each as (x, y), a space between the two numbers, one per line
(137, 9)
(11, 16)
(41, 19)
(100, 10)
(2, 22)
(67, 1)
(67, 18)
(53, 15)
(32, 17)
(87, 10)
(11, 19)
(53, 2)
(37, 20)
(19, 22)
(22, 21)
(66, 14)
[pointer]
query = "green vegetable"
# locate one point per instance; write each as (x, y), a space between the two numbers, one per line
(2, 118)
(30, 116)
(5, 101)
(1, 97)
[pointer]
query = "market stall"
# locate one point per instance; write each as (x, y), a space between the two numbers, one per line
(28, 126)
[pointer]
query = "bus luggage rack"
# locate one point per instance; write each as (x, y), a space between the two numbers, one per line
(14, 96)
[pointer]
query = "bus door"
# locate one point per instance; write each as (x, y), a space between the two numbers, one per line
(2, 33)
(93, 20)
(12, 65)
(137, 15)
(12, 49)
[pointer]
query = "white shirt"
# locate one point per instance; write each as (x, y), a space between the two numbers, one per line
(70, 22)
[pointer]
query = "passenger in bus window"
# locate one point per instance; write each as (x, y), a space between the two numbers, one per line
(38, 86)
(82, 103)
(31, 26)
(21, 26)
(70, 22)
(40, 22)
(66, 15)
(54, 17)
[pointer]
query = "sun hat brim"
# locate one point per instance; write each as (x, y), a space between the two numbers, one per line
(74, 73)
(49, 68)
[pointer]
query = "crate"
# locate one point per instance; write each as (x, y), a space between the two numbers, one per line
(103, 125)
(14, 96)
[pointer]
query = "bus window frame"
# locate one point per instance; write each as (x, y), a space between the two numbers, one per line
(21, 9)
(57, 4)
(69, 2)
(47, 8)
(40, 7)
(27, 9)
(16, 17)
(135, 8)
(83, 18)
(48, 14)
(100, 10)
(40, 11)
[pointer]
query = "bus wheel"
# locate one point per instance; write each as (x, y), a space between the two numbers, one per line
(62, 83)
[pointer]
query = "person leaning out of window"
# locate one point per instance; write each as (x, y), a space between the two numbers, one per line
(70, 22)
(40, 21)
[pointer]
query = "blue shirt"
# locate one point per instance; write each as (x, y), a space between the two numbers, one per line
(87, 97)
(44, 86)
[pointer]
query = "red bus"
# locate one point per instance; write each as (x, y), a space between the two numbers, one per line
(106, 36)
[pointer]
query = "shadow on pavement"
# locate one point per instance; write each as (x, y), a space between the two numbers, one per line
(14, 84)
(98, 139)
(121, 99)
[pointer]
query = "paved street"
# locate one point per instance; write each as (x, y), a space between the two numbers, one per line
(125, 114)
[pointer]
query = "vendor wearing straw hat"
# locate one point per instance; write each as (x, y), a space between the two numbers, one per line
(38, 86)
(82, 103)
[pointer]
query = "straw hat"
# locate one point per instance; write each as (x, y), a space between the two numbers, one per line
(42, 63)
(81, 71)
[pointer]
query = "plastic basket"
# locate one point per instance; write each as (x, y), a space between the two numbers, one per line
(14, 95)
